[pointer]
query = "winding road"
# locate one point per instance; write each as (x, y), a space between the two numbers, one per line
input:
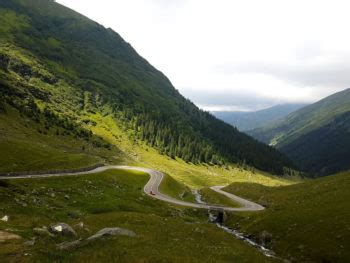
(152, 188)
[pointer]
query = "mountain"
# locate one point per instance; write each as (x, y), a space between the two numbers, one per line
(64, 74)
(245, 121)
(315, 137)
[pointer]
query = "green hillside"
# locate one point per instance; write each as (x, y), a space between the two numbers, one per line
(315, 137)
(307, 222)
(88, 203)
(325, 150)
(64, 71)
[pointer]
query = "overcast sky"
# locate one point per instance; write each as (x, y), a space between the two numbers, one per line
(236, 55)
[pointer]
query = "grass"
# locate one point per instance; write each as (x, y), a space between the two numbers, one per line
(190, 175)
(28, 146)
(211, 197)
(291, 205)
(182, 236)
(165, 233)
(174, 189)
(308, 222)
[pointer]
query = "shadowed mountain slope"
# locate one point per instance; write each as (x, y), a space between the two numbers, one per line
(58, 65)
(315, 137)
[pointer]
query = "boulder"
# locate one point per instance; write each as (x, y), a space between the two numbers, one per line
(82, 226)
(29, 242)
(112, 231)
(5, 218)
(5, 236)
(42, 231)
(62, 229)
(69, 245)
(103, 233)
(265, 238)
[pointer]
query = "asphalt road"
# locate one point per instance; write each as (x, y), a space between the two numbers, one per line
(152, 188)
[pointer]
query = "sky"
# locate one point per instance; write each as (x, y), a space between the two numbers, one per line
(235, 54)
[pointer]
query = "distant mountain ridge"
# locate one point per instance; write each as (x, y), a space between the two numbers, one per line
(316, 137)
(245, 121)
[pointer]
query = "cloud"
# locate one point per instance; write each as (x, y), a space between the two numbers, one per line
(237, 54)
(168, 3)
(320, 72)
(221, 100)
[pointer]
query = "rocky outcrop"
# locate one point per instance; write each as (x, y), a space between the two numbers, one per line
(264, 238)
(21, 69)
(103, 233)
(4, 61)
(24, 70)
(42, 231)
(50, 79)
(108, 232)
(62, 229)
(217, 215)
(5, 218)
(30, 243)
(5, 236)
(69, 245)
(39, 94)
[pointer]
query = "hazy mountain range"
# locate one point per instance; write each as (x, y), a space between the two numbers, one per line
(315, 137)
(245, 121)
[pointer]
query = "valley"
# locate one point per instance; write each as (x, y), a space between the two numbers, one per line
(103, 160)
(115, 196)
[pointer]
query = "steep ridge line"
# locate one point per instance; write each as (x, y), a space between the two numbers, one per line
(152, 188)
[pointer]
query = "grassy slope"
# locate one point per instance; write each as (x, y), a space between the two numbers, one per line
(211, 197)
(312, 150)
(49, 151)
(193, 176)
(28, 146)
(95, 204)
(175, 189)
(309, 222)
(165, 233)
(30, 150)
(98, 212)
